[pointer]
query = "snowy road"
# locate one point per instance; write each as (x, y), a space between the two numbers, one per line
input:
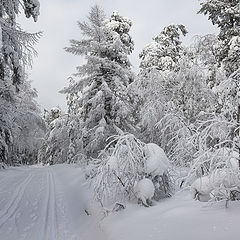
(44, 203)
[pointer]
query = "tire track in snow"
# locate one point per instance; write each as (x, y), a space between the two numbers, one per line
(13, 204)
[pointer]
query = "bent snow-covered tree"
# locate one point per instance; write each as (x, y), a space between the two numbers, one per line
(129, 169)
(102, 88)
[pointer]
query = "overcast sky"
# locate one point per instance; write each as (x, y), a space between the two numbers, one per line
(58, 21)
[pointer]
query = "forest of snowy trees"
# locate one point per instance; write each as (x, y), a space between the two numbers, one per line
(137, 135)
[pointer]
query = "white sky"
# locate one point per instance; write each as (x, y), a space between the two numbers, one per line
(58, 21)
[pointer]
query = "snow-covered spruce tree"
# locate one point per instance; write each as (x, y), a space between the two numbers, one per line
(16, 45)
(50, 116)
(129, 169)
(16, 50)
(225, 14)
(56, 142)
(103, 102)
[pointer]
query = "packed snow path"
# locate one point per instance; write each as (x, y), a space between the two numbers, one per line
(44, 203)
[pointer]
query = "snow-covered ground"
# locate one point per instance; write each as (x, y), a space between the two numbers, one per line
(45, 203)
(178, 218)
(48, 203)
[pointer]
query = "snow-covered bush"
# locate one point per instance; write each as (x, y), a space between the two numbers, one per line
(210, 160)
(122, 166)
(221, 184)
(215, 175)
(201, 189)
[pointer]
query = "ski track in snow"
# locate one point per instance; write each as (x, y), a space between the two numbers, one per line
(13, 203)
(44, 203)
(48, 223)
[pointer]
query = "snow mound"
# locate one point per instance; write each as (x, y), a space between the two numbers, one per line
(156, 160)
(144, 190)
(202, 185)
(208, 186)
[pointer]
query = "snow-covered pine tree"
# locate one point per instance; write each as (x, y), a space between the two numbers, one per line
(103, 103)
(16, 51)
(16, 45)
